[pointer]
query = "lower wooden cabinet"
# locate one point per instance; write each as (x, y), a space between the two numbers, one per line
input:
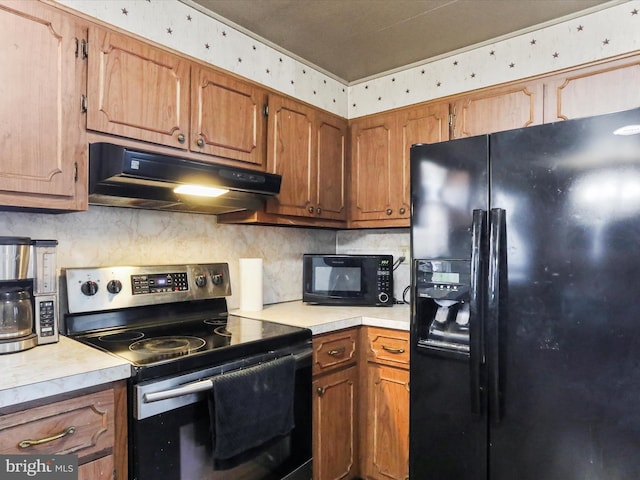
(361, 404)
(88, 424)
(335, 407)
(385, 405)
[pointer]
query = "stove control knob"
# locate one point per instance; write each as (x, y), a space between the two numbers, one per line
(89, 288)
(201, 280)
(114, 286)
(217, 278)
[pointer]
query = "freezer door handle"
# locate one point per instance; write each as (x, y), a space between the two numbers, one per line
(476, 308)
(496, 295)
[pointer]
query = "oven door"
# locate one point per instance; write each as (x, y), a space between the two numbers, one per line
(170, 436)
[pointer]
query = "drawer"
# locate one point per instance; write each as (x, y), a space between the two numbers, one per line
(389, 347)
(334, 350)
(82, 425)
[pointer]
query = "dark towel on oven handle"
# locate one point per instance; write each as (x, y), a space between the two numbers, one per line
(249, 409)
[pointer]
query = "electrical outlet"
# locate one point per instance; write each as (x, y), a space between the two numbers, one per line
(404, 252)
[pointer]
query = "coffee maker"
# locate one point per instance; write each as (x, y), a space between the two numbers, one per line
(28, 293)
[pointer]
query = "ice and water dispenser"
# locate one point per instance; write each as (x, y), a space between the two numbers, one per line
(442, 294)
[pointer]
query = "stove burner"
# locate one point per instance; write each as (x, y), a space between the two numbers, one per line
(161, 348)
(222, 331)
(216, 321)
(122, 337)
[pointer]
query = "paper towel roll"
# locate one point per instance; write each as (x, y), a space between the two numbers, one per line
(251, 284)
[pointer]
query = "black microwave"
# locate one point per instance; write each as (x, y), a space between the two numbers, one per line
(358, 280)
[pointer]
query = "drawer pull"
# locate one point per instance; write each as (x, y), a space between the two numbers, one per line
(337, 351)
(392, 350)
(31, 443)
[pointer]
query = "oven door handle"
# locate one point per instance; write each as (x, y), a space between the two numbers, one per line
(200, 385)
(187, 389)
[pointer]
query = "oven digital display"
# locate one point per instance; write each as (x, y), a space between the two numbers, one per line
(159, 283)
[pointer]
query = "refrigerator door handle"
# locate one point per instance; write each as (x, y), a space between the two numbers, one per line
(476, 309)
(496, 296)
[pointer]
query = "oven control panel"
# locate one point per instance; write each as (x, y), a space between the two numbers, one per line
(109, 288)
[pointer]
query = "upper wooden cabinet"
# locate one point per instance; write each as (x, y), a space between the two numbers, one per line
(144, 93)
(380, 147)
(307, 147)
(136, 90)
(497, 109)
(227, 117)
(594, 90)
(41, 123)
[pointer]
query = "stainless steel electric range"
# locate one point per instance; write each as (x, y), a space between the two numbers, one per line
(171, 323)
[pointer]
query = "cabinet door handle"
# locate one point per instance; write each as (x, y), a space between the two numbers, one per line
(337, 351)
(389, 211)
(200, 142)
(311, 209)
(392, 349)
(30, 443)
(181, 138)
(320, 391)
(402, 210)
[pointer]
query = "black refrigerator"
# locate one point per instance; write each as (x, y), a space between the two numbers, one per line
(525, 315)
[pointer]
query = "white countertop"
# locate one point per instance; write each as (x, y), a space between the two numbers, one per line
(322, 319)
(68, 365)
(56, 368)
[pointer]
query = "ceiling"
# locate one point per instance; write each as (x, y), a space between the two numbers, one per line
(356, 39)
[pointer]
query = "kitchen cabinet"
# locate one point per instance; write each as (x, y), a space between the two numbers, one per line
(335, 413)
(385, 404)
(85, 425)
(380, 146)
(136, 90)
(41, 84)
(496, 109)
(141, 92)
(307, 146)
(227, 117)
(594, 90)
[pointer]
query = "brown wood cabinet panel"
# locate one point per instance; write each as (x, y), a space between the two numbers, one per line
(386, 452)
(498, 109)
(291, 154)
(84, 425)
(101, 469)
(43, 141)
(335, 350)
(388, 347)
(329, 183)
(595, 90)
(335, 425)
(136, 90)
(227, 117)
(372, 168)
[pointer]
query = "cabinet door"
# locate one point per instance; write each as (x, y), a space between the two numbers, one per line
(429, 124)
(291, 154)
(373, 168)
(227, 117)
(136, 90)
(499, 109)
(101, 469)
(331, 163)
(387, 423)
(595, 90)
(43, 139)
(334, 425)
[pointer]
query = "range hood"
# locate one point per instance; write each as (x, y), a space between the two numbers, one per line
(123, 177)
